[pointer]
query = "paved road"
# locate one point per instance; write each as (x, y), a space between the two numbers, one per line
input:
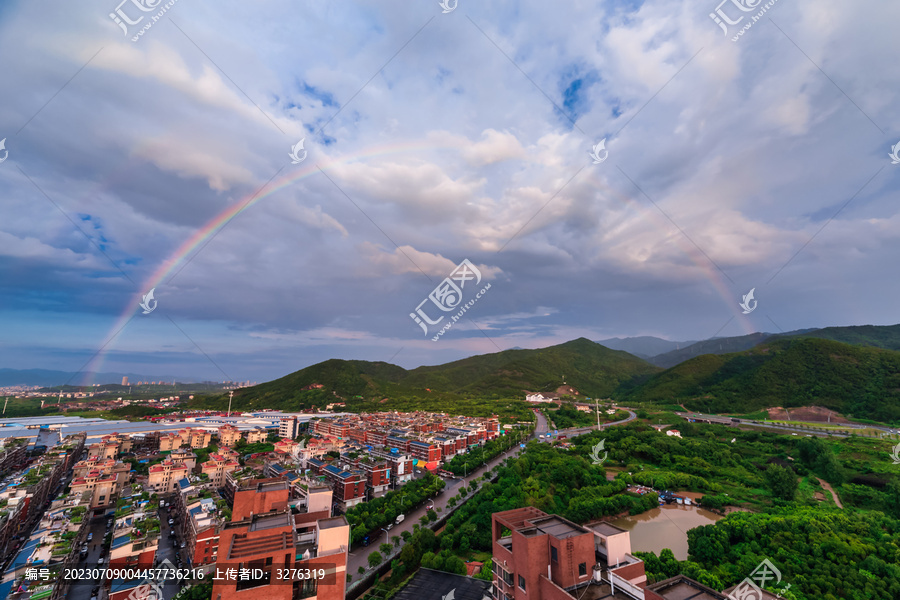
(359, 556)
(797, 428)
(82, 589)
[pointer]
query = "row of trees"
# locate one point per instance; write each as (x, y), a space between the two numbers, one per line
(476, 457)
(378, 512)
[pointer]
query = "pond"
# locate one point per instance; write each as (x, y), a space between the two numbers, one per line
(665, 527)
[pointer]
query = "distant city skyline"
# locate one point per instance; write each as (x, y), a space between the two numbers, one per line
(195, 203)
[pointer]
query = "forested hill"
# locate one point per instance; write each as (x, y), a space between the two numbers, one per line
(590, 368)
(858, 381)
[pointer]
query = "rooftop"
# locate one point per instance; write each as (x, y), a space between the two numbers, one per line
(332, 522)
(682, 588)
(606, 529)
(428, 584)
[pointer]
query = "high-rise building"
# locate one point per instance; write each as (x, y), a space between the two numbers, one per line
(125, 380)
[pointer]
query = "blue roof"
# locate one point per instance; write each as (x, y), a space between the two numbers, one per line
(120, 585)
(184, 483)
(121, 541)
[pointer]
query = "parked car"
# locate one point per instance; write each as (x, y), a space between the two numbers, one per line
(400, 518)
(171, 522)
(90, 536)
(100, 561)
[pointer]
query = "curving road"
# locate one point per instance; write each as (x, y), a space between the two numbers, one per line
(359, 555)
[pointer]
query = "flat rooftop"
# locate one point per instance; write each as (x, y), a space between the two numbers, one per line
(681, 588)
(428, 584)
(598, 591)
(553, 525)
(265, 486)
(606, 529)
(332, 522)
(272, 522)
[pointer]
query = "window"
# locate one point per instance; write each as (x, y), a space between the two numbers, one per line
(582, 569)
(554, 555)
(305, 588)
(522, 583)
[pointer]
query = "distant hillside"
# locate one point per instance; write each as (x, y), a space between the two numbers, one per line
(877, 336)
(644, 346)
(592, 369)
(714, 346)
(857, 381)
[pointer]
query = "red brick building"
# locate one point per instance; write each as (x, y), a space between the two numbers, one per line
(349, 487)
(426, 451)
(276, 540)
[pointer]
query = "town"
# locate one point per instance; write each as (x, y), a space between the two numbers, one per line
(76, 494)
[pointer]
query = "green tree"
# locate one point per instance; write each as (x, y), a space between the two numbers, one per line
(385, 548)
(396, 540)
(782, 482)
(375, 559)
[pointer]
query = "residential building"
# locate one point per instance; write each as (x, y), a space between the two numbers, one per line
(256, 435)
(13, 453)
(277, 539)
(289, 428)
(401, 464)
(378, 476)
(186, 457)
(218, 466)
(163, 477)
(228, 435)
(102, 482)
(427, 452)
(135, 536)
(349, 487)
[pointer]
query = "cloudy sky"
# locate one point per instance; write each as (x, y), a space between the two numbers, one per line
(429, 138)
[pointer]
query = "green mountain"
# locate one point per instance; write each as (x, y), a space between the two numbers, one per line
(858, 381)
(876, 336)
(714, 346)
(592, 369)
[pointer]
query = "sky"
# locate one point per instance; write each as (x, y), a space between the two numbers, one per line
(607, 169)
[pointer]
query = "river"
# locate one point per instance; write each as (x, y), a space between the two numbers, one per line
(665, 527)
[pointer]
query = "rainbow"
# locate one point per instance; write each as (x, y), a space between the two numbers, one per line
(169, 268)
(191, 246)
(701, 261)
